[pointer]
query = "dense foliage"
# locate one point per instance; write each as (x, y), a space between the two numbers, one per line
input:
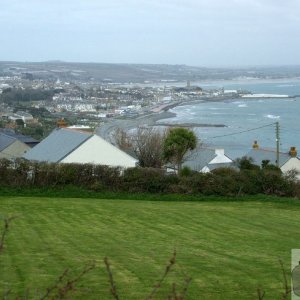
(223, 182)
(177, 143)
(12, 95)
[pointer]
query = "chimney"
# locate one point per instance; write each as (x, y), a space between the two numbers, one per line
(220, 152)
(255, 145)
(61, 123)
(293, 152)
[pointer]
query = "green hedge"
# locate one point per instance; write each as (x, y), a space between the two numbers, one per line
(221, 182)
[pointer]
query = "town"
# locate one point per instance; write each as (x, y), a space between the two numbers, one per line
(33, 106)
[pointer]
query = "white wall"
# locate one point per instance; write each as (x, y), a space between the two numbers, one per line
(221, 158)
(292, 164)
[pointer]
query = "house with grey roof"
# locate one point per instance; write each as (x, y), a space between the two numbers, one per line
(21, 115)
(206, 159)
(28, 140)
(66, 145)
(11, 148)
(287, 160)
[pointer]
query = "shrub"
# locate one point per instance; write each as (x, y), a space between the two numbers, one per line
(222, 182)
(145, 180)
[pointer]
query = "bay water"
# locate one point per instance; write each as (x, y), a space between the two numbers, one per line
(246, 120)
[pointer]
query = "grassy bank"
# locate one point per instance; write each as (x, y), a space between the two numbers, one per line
(70, 191)
(228, 248)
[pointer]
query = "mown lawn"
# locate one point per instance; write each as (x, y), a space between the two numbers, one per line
(229, 249)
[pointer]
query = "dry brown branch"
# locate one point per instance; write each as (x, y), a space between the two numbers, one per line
(287, 289)
(5, 231)
(260, 294)
(185, 287)
(113, 288)
(179, 296)
(122, 139)
(159, 283)
(61, 287)
(55, 285)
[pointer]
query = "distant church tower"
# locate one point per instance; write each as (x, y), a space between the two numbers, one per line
(188, 83)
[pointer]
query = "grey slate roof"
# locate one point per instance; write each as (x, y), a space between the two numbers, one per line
(23, 138)
(57, 145)
(197, 160)
(259, 155)
(5, 141)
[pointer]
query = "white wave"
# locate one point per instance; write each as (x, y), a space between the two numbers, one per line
(272, 117)
(285, 85)
(219, 113)
(265, 96)
(243, 105)
(218, 108)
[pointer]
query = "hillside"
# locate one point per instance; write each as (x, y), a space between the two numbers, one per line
(138, 73)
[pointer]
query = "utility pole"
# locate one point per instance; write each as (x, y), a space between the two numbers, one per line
(277, 144)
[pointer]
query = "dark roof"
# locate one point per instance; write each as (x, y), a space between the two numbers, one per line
(259, 155)
(57, 145)
(197, 160)
(5, 141)
(23, 138)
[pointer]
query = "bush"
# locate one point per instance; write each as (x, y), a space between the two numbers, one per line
(221, 182)
(145, 180)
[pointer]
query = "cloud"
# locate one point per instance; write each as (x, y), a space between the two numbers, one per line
(154, 30)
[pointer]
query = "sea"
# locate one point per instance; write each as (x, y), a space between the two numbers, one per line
(246, 120)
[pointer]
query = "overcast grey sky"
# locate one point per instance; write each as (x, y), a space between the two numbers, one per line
(193, 32)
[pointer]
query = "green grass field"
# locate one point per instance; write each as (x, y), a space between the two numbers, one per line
(229, 249)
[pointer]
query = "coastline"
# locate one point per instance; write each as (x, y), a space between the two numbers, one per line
(155, 116)
(151, 119)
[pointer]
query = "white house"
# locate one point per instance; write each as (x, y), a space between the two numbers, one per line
(65, 145)
(10, 147)
(98, 151)
(206, 159)
(287, 160)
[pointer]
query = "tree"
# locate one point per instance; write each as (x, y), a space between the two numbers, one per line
(146, 143)
(20, 122)
(246, 163)
(122, 139)
(265, 165)
(177, 143)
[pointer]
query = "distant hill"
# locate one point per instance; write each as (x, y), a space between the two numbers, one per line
(138, 73)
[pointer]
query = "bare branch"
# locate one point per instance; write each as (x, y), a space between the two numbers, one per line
(185, 288)
(260, 294)
(113, 288)
(55, 285)
(5, 230)
(61, 288)
(159, 283)
(287, 289)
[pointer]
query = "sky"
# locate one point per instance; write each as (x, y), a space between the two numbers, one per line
(192, 32)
